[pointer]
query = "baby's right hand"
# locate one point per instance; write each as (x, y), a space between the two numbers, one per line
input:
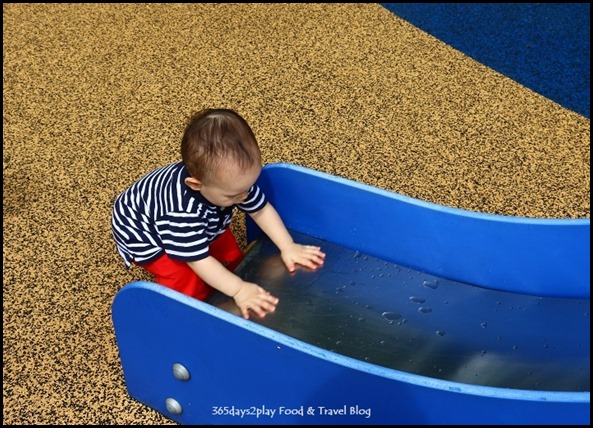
(252, 296)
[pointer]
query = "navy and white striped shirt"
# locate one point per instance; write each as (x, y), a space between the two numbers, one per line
(161, 214)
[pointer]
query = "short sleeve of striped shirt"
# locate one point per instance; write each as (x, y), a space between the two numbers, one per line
(255, 201)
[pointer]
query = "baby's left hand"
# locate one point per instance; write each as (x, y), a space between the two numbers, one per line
(305, 255)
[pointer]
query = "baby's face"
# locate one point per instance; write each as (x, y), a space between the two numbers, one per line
(230, 186)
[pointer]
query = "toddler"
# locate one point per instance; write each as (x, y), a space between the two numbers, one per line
(174, 221)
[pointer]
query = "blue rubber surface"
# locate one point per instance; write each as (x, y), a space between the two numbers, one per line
(543, 46)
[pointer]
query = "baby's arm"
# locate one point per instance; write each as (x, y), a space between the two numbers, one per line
(247, 295)
(292, 254)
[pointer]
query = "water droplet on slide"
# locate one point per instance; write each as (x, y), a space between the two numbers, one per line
(430, 284)
(390, 316)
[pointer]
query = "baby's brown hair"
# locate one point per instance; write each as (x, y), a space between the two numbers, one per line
(216, 138)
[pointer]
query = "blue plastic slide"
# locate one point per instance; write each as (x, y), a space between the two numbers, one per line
(422, 314)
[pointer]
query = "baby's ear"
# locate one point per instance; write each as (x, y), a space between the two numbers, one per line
(193, 183)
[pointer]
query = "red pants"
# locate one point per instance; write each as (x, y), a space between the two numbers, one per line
(179, 276)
